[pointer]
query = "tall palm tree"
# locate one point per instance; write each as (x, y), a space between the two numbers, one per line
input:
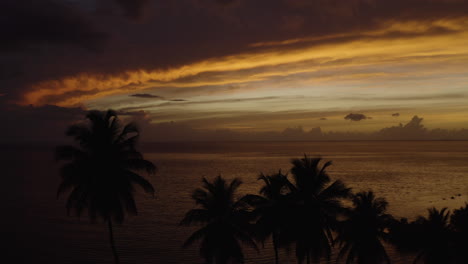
(101, 171)
(272, 208)
(318, 203)
(225, 220)
(434, 247)
(360, 235)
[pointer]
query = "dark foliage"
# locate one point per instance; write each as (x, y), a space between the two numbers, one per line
(361, 234)
(225, 222)
(272, 208)
(429, 237)
(318, 203)
(101, 172)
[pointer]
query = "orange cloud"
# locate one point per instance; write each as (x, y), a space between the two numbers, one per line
(243, 68)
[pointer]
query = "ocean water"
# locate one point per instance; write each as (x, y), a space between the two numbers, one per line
(412, 176)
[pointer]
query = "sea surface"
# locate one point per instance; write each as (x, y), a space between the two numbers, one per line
(35, 228)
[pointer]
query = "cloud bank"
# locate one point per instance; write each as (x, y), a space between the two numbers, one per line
(413, 130)
(240, 65)
(48, 124)
(208, 41)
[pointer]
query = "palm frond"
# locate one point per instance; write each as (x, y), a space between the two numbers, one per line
(139, 165)
(142, 182)
(235, 183)
(100, 175)
(196, 216)
(197, 235)
(337, 190)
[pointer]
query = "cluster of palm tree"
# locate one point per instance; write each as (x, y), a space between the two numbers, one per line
(440, 237)
(306, 213)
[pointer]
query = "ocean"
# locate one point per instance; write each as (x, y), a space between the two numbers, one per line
(411, 175)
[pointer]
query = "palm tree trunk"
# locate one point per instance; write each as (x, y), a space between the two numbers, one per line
(275, 246)
(111, 239)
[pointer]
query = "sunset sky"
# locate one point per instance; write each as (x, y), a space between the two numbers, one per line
(241, 65)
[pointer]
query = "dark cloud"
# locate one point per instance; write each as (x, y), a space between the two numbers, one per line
(132, 8)
(232, 100)
(25, 23)
(187, 102)
(151, 96)
(28, 123)
(396, 114)
(323, 118)
(225, 2)
(145, 95)
(176, 33)
(355, 117)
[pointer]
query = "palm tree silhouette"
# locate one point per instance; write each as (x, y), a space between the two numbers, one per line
(459, 219)
(271, 208)
(226, 222)
(101, 172)
(459, 225)
(317, 205)
(360, 235)
(434, 247)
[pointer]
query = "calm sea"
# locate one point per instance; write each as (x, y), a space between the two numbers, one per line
(412, 176)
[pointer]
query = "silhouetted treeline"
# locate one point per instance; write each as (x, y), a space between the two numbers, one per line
(306, 213)
(440, 237)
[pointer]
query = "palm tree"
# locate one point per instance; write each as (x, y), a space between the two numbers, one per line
(271, 208)
(226, 222)
(101, 171)
(459, 220)
(318, 204)
(434, 247)
(459, 225)
(360, 235)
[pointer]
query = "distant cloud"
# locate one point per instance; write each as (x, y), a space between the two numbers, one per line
(152, 96)
(396, 114)
(356, 117)
(145, 95)
(412, 130)
(49, 123)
